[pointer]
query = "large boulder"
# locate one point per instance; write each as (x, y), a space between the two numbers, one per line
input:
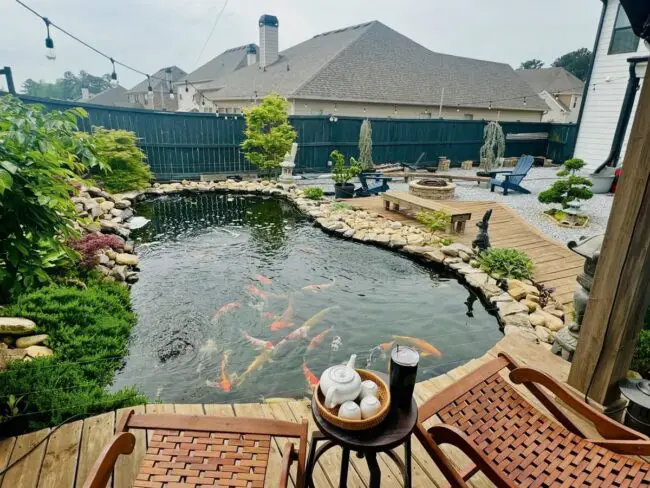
(107, 206)
(122, 204)
(526, 333)
(454, 249)
(509, 308)
(518, 320)
(518, 289)
(126, 259)
(95, 192)
(38, 351)
(34, 340)
(16, 326)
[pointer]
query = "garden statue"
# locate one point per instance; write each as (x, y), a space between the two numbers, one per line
(566, 339)
(482, 241)
(288, 164)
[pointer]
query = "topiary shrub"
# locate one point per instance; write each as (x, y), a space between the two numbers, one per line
(90, 245)
(365, 146)
(268, 134)
(507, 263)
(89, 331)
(569, 187)
(313, 193)
(436, 220)
(124, 163)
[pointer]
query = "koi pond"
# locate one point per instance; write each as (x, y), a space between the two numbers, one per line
(241, 299)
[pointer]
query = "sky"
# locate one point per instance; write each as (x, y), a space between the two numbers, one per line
(151, 34)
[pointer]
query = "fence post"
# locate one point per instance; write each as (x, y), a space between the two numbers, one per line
(10, 79)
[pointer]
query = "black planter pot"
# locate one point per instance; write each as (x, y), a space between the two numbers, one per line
(343, 190)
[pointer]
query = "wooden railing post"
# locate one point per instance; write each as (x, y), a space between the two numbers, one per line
(620, 292)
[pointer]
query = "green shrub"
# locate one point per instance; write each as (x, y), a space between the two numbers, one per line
(435, 220)
(641, 358)
(40, 158)
(341, 173)
(313, 193)
(570, 187)
(268, 134)
(124, 163)
(508, 263)
(85, 326)
(342, 206)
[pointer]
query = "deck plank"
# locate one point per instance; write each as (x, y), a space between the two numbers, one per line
(127, 467)
(26, 472)
(6, 448)
(59, 467)
(97, 432)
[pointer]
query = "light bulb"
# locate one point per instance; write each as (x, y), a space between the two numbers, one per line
(50, 53)
(171, 95)
(150, 94)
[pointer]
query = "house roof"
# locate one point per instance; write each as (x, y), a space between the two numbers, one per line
(159, 78)
(552, 80)
(227, 62)
(113, 97)
(371, 62)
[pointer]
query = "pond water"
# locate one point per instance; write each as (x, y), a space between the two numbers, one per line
(240, 298)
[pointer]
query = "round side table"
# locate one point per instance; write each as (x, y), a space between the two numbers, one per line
(395, 430)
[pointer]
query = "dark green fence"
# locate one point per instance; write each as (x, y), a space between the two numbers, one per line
(186, 145)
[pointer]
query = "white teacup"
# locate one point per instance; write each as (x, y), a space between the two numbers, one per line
(350, 411)
(370, 405)
(368, 388)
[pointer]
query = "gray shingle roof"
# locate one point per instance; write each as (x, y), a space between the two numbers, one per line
(227, 62)
(159, 78)
(112, 97)
(372, 62)
(552, 80)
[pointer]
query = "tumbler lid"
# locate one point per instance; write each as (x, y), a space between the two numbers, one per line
(405, 356)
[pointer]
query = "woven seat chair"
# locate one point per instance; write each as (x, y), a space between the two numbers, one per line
(188, 451)
(514, 444)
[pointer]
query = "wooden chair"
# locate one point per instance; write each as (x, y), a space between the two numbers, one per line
(514, 444)
(194, 450)
(510, 179)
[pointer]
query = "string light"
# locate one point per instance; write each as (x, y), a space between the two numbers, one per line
(186, 88)
(149, 88)
(490, 105)
(458, 108)
(50, 53)
(524, 101)
(113, 74)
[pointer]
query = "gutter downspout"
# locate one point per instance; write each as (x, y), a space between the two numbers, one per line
(585, 91)
(626, 112)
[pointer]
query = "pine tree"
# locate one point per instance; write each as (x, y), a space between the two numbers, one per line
(365, 146)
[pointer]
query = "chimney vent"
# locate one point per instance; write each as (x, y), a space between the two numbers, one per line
(269, 52)
(251, 54)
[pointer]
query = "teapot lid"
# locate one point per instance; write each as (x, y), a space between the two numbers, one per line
(341, 374)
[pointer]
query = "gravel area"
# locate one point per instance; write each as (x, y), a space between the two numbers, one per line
(538, 179)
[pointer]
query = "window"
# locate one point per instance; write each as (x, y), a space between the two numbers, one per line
(469, 116)
(425, 115)
(623, 38)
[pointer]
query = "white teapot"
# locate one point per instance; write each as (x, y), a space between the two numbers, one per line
(340, 383)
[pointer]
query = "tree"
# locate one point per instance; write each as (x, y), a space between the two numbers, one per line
(532, 64)
(569, 187)
(268, 134)
(494, 145)
(67, 88)
(365, 146)
(576, 62)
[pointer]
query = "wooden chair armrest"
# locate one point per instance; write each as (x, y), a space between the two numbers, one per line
(638, 448)
(288, 456)
(496, 172)
(122, 443)
(510, 175)
(605, 426)
(447, 434)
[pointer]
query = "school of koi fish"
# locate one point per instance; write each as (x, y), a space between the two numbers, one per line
(285, 326)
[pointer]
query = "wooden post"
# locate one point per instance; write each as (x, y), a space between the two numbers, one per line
(621, 289)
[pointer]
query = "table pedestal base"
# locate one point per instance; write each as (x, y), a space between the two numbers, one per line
(371, 460)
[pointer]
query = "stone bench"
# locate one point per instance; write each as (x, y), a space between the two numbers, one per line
(396, 200)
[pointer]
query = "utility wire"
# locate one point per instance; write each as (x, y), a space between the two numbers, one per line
(216, 21)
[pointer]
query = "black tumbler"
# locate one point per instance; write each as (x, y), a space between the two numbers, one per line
(403, 371)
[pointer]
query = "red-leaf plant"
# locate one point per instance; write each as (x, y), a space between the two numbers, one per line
(90, 245)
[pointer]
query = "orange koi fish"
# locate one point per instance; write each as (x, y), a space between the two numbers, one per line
(385, 346)
(309, 376)
(285, 319)
(225, 384)
(318, 339)
(228, 307)
(263, 279)
(426, 348)
(256, 292)
(315, 288)
(257, 363)
(257, 343)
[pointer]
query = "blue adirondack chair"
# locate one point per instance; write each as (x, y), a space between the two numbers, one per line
(510, 179)
(372, 184)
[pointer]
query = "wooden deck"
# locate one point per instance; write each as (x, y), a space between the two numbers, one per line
(555, 265)
(66, 457)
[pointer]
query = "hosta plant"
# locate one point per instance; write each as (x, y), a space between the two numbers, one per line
(506, 263)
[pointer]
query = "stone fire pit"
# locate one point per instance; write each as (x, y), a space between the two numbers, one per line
(432, 189)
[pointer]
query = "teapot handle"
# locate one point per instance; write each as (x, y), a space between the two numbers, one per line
(329, 397)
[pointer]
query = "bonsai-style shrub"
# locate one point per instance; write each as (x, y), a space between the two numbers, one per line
(494, 145)
(342, 174)
(313, 193)
(507, 263)
(124, 166)
(570, 187)
(39, 161)
(365, 146)
(436, 220)
(90, 245)
(268, 134)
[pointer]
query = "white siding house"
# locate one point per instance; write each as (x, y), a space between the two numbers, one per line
(607, 86)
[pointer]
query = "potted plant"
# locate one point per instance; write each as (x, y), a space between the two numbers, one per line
(568, 191)
(342, 174)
